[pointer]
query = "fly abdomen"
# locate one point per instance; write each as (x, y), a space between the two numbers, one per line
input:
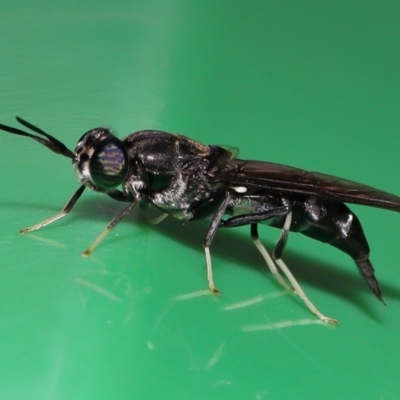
(335, 224)
(338, 226)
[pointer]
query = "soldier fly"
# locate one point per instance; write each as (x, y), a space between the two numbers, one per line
(195, 182)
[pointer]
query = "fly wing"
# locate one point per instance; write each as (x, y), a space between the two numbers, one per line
(276, 179)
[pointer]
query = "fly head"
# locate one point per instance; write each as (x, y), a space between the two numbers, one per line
(101, 160)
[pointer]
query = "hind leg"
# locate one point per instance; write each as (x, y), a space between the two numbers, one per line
(268, 259)
(276, 260)
(280, 246)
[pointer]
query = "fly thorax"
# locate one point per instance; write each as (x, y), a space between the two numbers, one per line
(173, 195)
(134, 185)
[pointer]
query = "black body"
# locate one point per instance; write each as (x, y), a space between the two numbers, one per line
(196, 179)
(191, 182)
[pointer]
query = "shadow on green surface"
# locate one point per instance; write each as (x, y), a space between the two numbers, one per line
(233, 246)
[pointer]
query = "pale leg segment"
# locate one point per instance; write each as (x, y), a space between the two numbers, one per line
(268, 259)
(67, 208)
(47, 221)
(210, 278)
(156, 220)
(109, 228)
(291, 278)
(209, 238)
(311, 306)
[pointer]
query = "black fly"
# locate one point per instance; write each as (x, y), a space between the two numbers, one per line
(192, 182)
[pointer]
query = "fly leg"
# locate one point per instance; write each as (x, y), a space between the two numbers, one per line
(114, 194)
(156, 220)
(67, 208)
(215, 223)
(127, 197)
(253, 220)
(277, 258)
(109, 228)
(268, 259)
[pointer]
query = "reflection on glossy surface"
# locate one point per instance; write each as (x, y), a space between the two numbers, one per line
(281, 324)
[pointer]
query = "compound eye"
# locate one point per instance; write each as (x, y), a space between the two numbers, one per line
(109, 164)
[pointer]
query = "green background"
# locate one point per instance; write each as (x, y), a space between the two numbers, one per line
(313, 84)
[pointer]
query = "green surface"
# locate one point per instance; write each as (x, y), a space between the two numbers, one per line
(314, 84)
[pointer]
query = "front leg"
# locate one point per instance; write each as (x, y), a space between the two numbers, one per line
(67, 208)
